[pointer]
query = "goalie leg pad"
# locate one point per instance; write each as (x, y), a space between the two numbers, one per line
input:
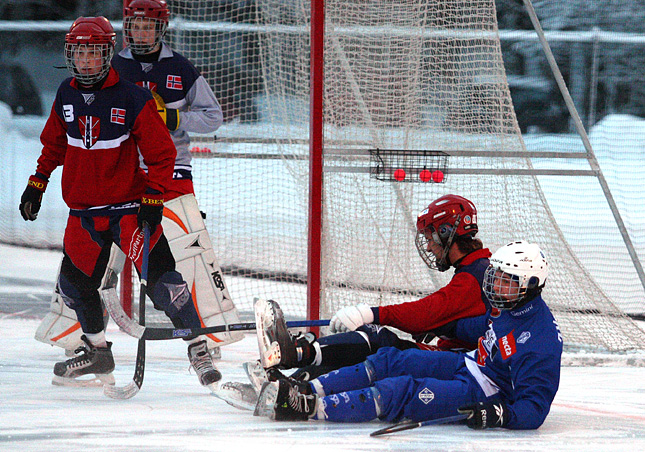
(60, 325)
(193, 252)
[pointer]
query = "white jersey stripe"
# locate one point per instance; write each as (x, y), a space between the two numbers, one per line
(100, 144)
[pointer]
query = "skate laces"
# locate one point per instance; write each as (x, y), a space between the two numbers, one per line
(298, 401)
(200, 359)
(81, 359)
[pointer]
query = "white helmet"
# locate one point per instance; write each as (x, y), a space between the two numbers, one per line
(516, 275)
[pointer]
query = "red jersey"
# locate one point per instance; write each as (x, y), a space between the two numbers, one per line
(461, 297)
(95, 134)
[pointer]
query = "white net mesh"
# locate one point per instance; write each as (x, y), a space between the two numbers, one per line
(409, 75)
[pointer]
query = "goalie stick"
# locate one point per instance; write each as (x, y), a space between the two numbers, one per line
(129, 326)
(408, 424)
(131, 389)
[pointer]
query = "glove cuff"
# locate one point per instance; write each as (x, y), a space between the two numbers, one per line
(152, 199)
(38, 183)
(172, 119)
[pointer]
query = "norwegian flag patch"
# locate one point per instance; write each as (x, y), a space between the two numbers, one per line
(118, 116)
(174, 82)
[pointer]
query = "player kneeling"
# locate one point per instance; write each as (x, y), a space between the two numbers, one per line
(509, 381)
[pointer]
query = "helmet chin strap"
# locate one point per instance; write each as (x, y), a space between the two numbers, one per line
(444, 264)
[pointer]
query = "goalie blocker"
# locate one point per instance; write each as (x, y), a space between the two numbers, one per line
(191, 247)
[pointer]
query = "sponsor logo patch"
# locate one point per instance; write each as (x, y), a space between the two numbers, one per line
(426, 396)
(507, 345)
(523, 337)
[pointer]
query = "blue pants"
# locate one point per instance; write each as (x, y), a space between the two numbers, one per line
(413, 384)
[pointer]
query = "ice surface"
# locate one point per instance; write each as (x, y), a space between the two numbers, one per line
(596, 408)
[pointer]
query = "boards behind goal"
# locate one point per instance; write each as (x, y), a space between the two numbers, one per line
(413, 76)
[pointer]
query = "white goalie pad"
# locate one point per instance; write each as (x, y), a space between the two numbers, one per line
(191, 246)
(60, 326)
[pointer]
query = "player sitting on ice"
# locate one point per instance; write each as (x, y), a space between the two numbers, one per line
(445, 238)
(186, 105)
(98, 127)
(509, 381)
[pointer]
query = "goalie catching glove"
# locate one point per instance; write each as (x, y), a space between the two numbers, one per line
(350, 318)
(170, 116)
(485, 414)
(32, 197)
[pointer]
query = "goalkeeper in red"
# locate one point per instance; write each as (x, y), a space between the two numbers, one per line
(509, 380)
(98, 126)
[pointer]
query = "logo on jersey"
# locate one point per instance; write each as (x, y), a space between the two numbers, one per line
(118, 116)
(88, 97)
(174, 82)
(152, 86)
(507, 345)
(487, 346)
(426, 396)
(525, 336)
(90, 127)
(146, 67)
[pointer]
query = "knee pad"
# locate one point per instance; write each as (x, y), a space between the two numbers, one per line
(171, 295)
(69, 293)
(86, 305)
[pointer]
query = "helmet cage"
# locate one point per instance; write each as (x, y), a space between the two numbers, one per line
(138, 46)
(515, 276)
(444, 237)
(93, 73)
(89, 39)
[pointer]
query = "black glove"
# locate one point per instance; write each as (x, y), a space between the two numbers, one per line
(449, 330)
(485, 414)
(31, 198)
(150, 210)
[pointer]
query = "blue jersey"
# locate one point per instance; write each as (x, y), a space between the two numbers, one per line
(183, 88)
(517, 358)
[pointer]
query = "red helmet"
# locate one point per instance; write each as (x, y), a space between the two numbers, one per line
(89, 48)
(445, 218)
(154, 13)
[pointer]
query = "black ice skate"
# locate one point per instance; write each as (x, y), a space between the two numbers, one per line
(281, 401)
(201, 361)
(278, 348)
(90, 360)
(258, 375)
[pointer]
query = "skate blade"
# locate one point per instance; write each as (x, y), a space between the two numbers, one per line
(266, 402)
(98, 381)
(256, 373)
(239, 395)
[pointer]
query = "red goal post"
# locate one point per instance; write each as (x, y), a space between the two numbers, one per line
(291, 208)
